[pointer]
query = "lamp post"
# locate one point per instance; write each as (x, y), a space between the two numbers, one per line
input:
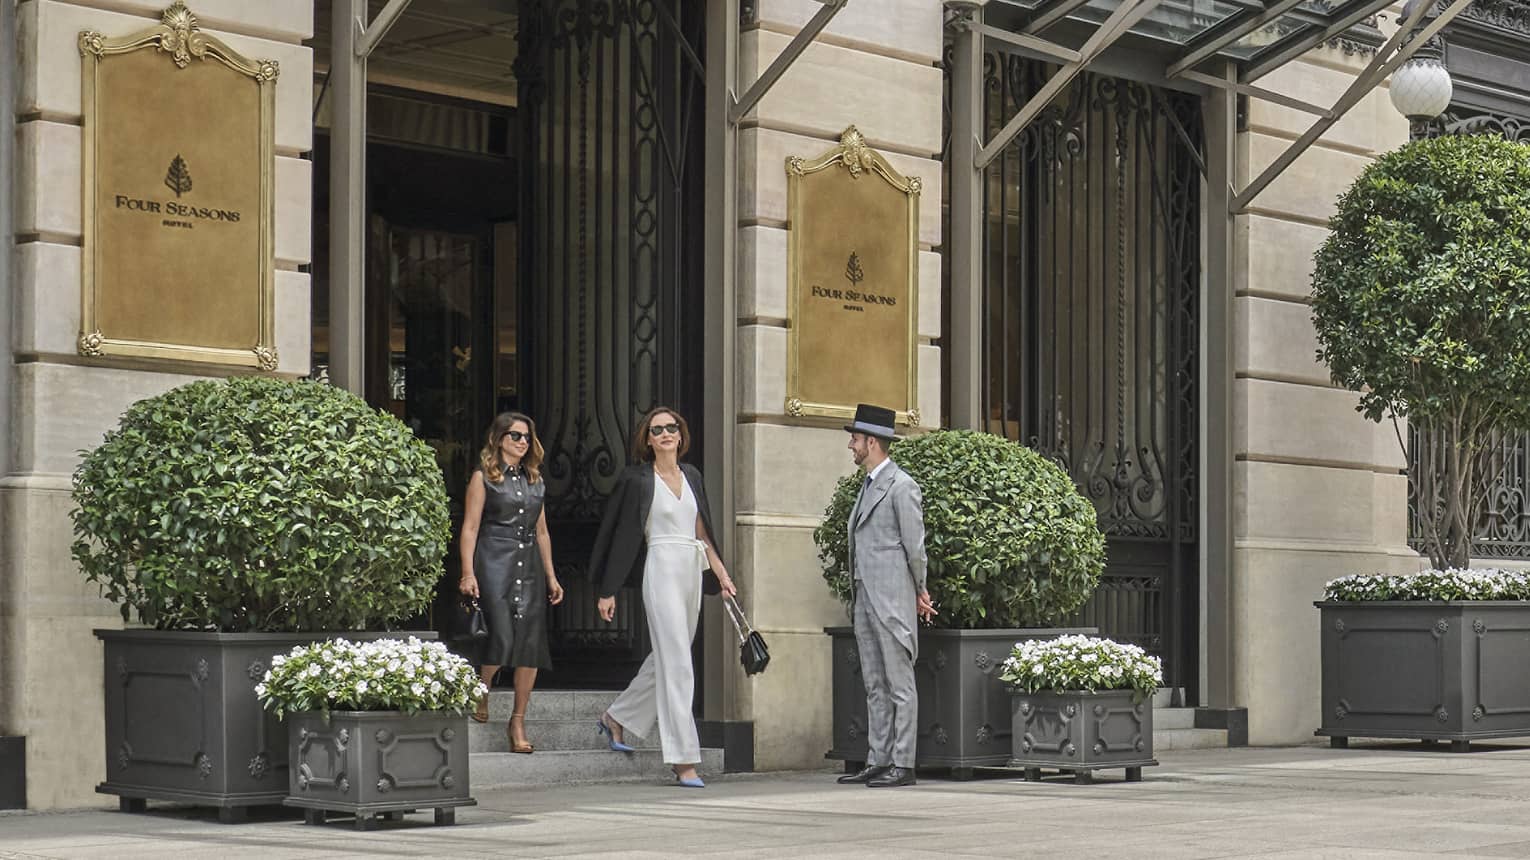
(1421, 88)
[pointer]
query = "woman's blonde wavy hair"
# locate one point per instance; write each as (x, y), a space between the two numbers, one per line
(488, 458)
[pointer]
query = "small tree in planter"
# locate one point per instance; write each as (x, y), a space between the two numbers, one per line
(1011, 544)
(1082, 704)
(1420, 299)
(375, 727)
(236, 518)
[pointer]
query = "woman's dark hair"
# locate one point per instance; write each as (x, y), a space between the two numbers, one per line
(488, 458)
(642, 448)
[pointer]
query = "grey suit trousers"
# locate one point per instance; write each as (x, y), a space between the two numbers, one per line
(892, 704)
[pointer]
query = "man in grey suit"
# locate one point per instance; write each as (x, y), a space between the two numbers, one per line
(887, 564)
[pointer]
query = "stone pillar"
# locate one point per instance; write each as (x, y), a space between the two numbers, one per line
(1319, 491)
(876, 66)
(50, 664)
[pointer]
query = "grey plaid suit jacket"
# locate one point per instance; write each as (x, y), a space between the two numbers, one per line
(887, 550)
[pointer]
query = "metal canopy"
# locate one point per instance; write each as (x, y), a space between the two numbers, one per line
(1224, 44)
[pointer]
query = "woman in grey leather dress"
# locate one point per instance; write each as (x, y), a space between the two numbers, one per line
(507, 562)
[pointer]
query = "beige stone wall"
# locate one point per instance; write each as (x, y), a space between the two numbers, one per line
(50, 669)
(1318, 490)
(875, 67)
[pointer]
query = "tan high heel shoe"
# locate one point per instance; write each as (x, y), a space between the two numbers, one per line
(481, 713)
(526, 748)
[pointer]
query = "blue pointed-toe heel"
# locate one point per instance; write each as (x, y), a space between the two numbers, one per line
(616, 745)
(693, 782)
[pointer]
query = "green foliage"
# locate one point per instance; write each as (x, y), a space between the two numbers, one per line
(255, 504)
(1011, 542)
(1421, 301)
(382, 675)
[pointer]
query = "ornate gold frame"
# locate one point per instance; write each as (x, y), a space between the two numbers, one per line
(860, 160)
(178, 36)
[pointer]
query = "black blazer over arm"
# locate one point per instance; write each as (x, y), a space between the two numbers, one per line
(621, 545)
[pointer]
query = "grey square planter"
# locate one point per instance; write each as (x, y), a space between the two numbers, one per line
(369, 762)
(1082, 732)
(1436, 670)
(964, 709)
(183, 723)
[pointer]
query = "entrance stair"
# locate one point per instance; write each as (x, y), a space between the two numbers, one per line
(561, 725)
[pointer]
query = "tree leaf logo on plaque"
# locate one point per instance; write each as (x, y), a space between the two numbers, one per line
(178, 179)
(853, 271)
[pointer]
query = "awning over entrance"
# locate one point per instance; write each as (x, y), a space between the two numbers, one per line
(1228, 44)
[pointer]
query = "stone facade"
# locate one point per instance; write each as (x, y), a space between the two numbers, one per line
(1319, 491)
(876, 66)
(50, 669)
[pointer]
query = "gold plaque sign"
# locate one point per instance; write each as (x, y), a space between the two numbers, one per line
(853, 263)
(179, 152)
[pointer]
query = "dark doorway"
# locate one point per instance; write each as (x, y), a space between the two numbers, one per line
(1091, 276)
(546, 257)
(611, 158)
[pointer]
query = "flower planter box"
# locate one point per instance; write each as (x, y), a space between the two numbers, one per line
(1082, 732)
(1430, 670)
(964, 709)
(183, 723)
(368, 762)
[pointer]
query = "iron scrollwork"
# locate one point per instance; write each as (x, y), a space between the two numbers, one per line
(1092, 272)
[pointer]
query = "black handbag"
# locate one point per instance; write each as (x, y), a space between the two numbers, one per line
(468, 624)
(752, 652)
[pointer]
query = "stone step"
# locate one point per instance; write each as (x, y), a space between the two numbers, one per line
(561, 767)
(1165, 740)
(1173, 718)
(584, 705)
(548, 735)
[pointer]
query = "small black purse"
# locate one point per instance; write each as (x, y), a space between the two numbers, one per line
(468, 624)
(752, 652)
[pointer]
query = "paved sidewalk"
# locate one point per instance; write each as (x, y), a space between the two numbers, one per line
(1371, 801)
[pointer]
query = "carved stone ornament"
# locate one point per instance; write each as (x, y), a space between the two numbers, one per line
(1441, 714)
(265, 358)
(983, 661)
(1478, 713)
(260, 765)
(204, 765)
(984, 733)
(941, 736)
(90, 344)
(256, 671)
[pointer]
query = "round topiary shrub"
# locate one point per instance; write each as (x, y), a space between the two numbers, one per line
(1011, 542)
(255, 504)
(1420, 297)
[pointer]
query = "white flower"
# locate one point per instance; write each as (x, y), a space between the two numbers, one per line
(260, 690)
(417, 689)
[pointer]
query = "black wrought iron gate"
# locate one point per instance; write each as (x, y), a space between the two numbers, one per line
(611, 260)
(1091, 270)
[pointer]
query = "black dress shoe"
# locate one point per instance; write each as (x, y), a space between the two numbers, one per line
(895, 776)
(867, 774)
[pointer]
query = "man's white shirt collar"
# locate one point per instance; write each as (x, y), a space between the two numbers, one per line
(878, 470)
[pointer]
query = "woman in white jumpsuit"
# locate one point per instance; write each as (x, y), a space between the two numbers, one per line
(657, 530)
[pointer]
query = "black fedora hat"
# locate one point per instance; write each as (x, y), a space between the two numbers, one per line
(873, 421)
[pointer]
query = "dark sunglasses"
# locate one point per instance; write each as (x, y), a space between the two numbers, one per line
(661, 429)
(518, 436)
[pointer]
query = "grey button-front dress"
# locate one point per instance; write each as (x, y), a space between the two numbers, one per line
(512, 586)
